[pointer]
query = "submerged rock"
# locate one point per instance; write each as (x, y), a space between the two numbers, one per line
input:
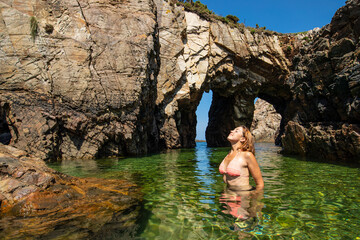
(38, 202)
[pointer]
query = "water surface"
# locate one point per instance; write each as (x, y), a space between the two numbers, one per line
(182, 189)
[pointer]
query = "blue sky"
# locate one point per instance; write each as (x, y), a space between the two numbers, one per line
(283, 16)
(278, 15)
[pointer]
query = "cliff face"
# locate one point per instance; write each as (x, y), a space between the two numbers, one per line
(323, 116)
(125, 77)
(266, 123)
(85, 86)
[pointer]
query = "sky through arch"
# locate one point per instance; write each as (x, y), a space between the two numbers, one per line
(278, 15)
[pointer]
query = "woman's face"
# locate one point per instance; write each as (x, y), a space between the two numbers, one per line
(236, 134)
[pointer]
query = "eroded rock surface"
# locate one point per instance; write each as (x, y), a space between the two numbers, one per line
(87, 87)
(324, 112)
(266, 123)
(125, 77)
(38, 202)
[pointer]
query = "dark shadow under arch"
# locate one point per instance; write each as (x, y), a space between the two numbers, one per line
(5, 135)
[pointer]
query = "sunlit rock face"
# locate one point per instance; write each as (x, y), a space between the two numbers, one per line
(198, 55)
(124, 77)
(85, 85)
(37, 202)
(266, 123)
(121, 77)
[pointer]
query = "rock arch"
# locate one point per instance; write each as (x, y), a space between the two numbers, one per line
(125, 78)
(299, 75)
(235, 64)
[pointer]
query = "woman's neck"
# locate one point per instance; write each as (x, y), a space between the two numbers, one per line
(235, 146)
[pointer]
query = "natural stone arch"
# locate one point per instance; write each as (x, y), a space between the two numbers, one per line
(233, 107)
(125, 91)
(200, 55)
(125, 79)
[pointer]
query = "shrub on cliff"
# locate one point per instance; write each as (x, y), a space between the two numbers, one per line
(34, 27)
(233, 18)
(198, 8)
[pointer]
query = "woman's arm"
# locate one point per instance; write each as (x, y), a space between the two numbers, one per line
(254, 170)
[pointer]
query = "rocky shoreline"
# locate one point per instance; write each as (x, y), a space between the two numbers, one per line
(38, 202)
(76, 83)
(88, 79)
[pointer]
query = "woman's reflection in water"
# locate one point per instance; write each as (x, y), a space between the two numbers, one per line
(244, 206)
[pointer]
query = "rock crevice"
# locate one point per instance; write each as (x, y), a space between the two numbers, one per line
(126, 77)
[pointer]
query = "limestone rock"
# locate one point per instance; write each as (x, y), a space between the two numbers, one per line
(266, 123)
(38, 202)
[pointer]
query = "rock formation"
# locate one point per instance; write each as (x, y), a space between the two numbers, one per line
(84, 79)
(266, 122)
(40, 203)
(322, 118)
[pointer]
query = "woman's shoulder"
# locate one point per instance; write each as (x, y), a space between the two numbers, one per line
(247, 155)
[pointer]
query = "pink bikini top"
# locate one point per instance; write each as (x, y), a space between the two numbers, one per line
(233, 168)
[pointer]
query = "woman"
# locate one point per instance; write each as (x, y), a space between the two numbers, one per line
(241, 161)
(236, 168)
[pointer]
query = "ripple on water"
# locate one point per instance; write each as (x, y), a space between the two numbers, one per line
(302, 199)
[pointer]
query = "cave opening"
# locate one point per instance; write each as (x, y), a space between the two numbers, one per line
(202, 115)
(5, 135)
(232, 108)
(279, 103)
(265, 126)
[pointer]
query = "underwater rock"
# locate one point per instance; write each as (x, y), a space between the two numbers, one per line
(38, 202)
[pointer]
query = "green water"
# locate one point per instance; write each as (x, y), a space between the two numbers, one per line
(301, 200)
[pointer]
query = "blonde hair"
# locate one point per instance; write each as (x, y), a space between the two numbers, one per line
(248, 145)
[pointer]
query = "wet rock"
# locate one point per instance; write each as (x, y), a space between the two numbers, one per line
(323, 141)
(38, 202)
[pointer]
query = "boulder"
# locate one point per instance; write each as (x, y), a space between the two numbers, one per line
(38, 202)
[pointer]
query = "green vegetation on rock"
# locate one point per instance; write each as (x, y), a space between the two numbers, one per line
(231, 20)
(34, 27)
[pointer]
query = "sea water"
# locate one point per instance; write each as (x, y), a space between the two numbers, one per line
(183, 189)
